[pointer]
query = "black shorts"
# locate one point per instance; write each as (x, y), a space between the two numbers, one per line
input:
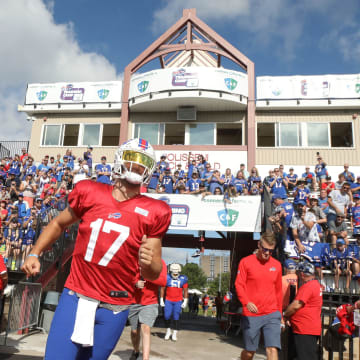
(306, 347)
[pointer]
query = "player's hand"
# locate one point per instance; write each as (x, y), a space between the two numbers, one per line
(184, 304)
(31, 266)
(145, 254)
(140, 284)
(162, 304)
(252, 307)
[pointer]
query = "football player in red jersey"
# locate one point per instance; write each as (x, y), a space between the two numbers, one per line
(119, 236)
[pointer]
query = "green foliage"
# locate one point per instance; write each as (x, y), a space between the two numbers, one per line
(197, 277)
(214, 285)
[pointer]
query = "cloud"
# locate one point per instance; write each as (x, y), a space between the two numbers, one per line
(36, 49)
(266, 24)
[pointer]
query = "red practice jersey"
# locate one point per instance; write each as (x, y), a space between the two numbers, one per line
(149, 294)
(106, 253)
(174, 287)
(307, 320)
(260, 283)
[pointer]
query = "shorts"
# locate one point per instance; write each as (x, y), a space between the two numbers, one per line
(143, 314)
(321, 177)
(306, 347)
(270, 326)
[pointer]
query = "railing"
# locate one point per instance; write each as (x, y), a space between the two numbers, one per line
(24, 307)
(10, 148)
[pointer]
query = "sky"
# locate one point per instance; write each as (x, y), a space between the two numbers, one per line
(90, 40)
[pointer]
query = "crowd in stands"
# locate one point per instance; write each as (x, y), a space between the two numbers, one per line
(316, 219)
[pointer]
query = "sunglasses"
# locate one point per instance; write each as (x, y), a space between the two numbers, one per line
(266, 250)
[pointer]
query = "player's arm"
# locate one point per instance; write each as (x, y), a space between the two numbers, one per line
(50, 234)
(150, 258)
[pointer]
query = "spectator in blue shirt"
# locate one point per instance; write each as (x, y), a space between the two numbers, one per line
(88, 159)
(227, 178)
(15, 166)
(349, 176)
(193, 184)
(292, 179)
(43, 166)
(355, 187)
(22, 205)
(201, 164)
(181, 171)
(103, 171)
(301, 192)
(278, 184)
(162, 164)
(3, 174)
(205, 175)
(320, 171)
(254, 174)
(167, 181)
(309, 177)
(30, 168)
(323, 201)
(215, 181)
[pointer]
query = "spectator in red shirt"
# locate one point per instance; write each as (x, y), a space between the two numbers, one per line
(3, 284)
(328, 185)
(304, 314)
(259, 288)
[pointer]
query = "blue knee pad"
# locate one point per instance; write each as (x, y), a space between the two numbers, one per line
(107, 331)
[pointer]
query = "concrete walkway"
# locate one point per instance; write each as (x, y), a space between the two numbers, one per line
(198, 339)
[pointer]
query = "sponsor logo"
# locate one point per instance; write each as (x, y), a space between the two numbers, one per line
(179, 215)
(103, 94)
(230, 83)
(141, 211)
(357, 88)
(272, 269)
(70, 93)
(228, 217)
(142, 86)
(114, 216)
(41, 95)
(182, 78)
(276, 91)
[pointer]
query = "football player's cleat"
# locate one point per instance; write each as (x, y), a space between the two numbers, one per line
(174, 336)
(168, 334)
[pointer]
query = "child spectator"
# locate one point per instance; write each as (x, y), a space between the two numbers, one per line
(309, 178)
(324, 206)
(341, 264)
(328, 185)
(301, 192)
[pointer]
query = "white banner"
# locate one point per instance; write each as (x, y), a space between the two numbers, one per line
(192, 212)
(189, 78)
(89, 92)
(308, 87)
(219, 160)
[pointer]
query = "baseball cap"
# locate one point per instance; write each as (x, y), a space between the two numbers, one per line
(90, 147)
(301, 180)
(163, 156)
(38, 199)
(291, 168)
(103, 158)
(340, 241)
(356, 196)
(57, 195)
(276, 196)
(290, 264)
(301, 202)
(306, 268)
(21, 194)
(53, 180)
(313, 197)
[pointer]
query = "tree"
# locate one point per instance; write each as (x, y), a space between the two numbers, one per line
(225, 284)
(197, 277)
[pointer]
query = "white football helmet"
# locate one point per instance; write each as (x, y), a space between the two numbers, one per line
(135, 151)
(175, 270)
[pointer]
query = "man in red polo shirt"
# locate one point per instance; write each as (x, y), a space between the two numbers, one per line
(305, 314)
(259, 288)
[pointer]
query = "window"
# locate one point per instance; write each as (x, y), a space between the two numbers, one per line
(266, 135)
(289, 134)
(318, 134)
(110, 135)
(201, 134)
(174, 134)
(150, 132)
(305, 135)
(71, 134)
(51, 135)
(91, 134)
(341, 135)
(229, 134)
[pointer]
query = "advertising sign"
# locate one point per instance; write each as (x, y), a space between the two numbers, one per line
(193, 212)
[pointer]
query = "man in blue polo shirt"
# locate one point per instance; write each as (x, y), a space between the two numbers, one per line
(103, 171)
